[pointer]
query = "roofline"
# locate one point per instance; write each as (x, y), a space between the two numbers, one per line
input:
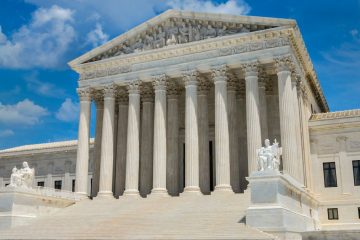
(40, 147)
(177, 13)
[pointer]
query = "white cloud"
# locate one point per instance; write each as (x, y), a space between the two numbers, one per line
(24, 112)
(354, 32)
(6, 133)
(68, 111)
(97, 37)
(238, 7)
(42, 42)
(43, 88)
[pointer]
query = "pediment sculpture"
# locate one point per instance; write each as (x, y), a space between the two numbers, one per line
(172, 32)
(22, 178)
(268, 157)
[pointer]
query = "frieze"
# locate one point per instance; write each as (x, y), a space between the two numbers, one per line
(102, 69)
(105, 72)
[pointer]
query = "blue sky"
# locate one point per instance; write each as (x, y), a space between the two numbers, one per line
(38, 102)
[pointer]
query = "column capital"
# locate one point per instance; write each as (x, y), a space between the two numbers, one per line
(109, 91)
(251, 68)
(133, 87)
(218, 73)
(122, 96)
(233, 83)
(159, 82)
(84, 94)
(98, 98)
(147, 93)
(172, 89)
(204, 86)
(262, 78)
(284, 63)
(190, 77)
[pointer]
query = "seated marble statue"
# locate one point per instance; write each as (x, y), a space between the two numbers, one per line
(269, 156)
(22, 177)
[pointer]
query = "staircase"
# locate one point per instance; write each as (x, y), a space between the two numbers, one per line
(186, 217)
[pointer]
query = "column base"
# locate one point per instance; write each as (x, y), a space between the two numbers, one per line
(159, 192)
(131, 193)
(105, 194)
(224, 188)
(191, 190)
(82, 195)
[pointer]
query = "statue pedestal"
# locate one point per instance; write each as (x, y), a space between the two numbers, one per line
(280, 205)
(19, 206)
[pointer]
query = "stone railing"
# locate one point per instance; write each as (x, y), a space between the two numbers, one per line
(43, 191)
(334, 115)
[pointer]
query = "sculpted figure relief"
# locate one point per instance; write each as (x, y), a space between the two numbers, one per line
(173, 32)
(22, 177)
(269, 156)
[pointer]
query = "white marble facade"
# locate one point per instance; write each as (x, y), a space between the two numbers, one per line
(183, 102)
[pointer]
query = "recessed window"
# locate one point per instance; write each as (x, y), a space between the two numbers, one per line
(41, 184)
(57, 184)
(73, 185)
(359, 212)
(356, 172)
(7, 184)
(329, 174)
(333, 214)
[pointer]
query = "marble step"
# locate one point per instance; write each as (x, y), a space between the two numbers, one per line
(201, 217)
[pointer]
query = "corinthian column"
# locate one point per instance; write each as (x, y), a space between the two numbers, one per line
(107, 144)
(99, 104)
(120, 165)
(233, 134)
(253, 125)
(191, 134)
(204, 161)
(263, 106)
(172, 171)
(222, 148)
(159, 177)
(299, 143)
(133, 150)
(82, 159)
(147, 137)
(287, 121)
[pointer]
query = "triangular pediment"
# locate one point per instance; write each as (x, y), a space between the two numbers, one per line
(178, 27)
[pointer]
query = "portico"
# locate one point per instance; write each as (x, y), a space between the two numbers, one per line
(188, 117)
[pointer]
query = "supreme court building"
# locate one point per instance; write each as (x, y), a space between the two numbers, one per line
(185, 100)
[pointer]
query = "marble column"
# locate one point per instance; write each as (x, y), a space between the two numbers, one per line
(299, 155)
(133, 141)
(287, 121)
(241, 125)
(49, 180)
(233, 134)
(304, 118)
(120, 166)
(191, 134)
(222, 148)
(263, 107)
(159, 174)
(346, 179)
(253, 126)
(2, 172)
(147, 137)
(204, 156)
(107, 144)
(172, 165)
(316, 165)
(67, 179)
(99, 104)
(82, 158)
